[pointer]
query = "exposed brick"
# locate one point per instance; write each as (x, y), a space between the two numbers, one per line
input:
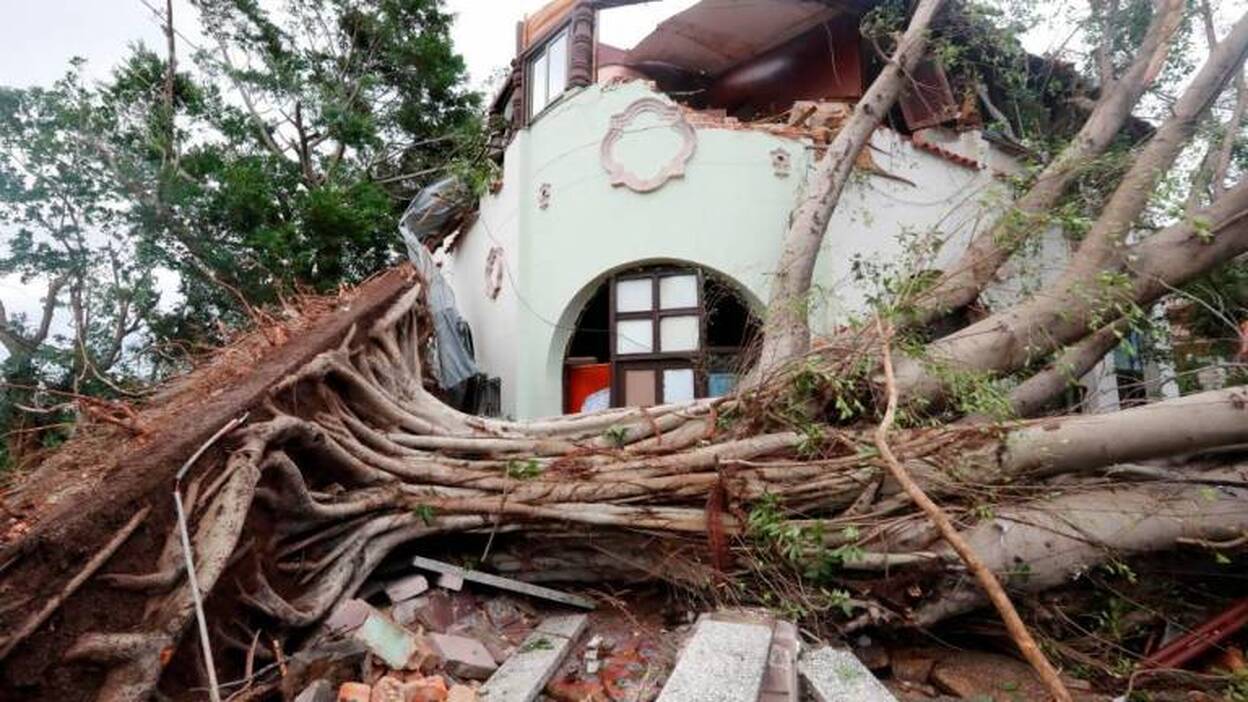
(430, 689)
(406, 588)
(355, 692)
(463, 657)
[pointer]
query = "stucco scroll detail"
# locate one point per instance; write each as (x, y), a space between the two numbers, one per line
(675, 168)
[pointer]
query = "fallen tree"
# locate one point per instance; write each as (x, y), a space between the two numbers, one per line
(345, 458)
(351, 458)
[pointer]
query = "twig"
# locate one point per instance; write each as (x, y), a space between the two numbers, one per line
(205, 643)
(214, 692)
(1215, 545)
(277, 653)
(987, 580)
(208, 444)
(72, 586)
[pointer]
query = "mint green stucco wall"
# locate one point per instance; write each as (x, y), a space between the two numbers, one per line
(728, 213)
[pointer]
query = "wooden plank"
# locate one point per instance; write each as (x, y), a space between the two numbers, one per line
(522, 677)
(476, 576)
(722, 662)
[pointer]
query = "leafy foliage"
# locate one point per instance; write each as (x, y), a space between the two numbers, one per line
(277, 158)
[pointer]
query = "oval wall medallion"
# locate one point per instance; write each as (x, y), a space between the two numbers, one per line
(667, 114)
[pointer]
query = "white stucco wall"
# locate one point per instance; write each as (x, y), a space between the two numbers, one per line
(727, 213)
(491, 320)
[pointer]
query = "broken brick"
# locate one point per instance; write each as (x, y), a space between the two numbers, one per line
(348, 616)
(406, 588)
(433, 611)
(355, 692)
(461, 693)
(451, 581)
(388, 689)
(462, 656)
(988, 676)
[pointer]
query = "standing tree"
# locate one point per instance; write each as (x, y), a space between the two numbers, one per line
(275, 160)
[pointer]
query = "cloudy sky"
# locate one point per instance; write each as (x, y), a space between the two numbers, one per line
(38, 37)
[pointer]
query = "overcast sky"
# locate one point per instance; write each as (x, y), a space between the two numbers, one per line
(38, 37)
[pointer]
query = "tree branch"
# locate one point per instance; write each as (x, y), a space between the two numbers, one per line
(992, 247)
(787, 332)
(987, 580)
(20, 346)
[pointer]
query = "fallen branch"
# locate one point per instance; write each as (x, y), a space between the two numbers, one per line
(1013, 623)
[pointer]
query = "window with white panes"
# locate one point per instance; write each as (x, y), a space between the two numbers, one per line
(657, 321)
(548, 73)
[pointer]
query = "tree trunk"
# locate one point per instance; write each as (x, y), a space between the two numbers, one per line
(1065, 312)
(786, 328)
(1041, 545)
(991, 248)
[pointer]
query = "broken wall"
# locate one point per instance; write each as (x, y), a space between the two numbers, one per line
(724, 205)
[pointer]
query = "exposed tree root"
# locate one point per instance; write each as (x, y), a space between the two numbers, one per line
(352, 459)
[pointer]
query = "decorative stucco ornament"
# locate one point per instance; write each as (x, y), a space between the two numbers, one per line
(543, 196)
(674, 119)
(781, 162)
(494, 272)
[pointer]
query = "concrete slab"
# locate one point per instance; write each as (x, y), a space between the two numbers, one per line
(523, 676)
(836, 675)
(721, 662)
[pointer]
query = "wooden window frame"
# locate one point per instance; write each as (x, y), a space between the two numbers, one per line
(657, 360)
(538, 48)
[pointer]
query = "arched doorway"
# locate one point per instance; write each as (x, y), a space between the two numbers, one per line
(656, 334)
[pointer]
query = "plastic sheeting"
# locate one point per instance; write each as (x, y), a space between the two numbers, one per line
(428, 214)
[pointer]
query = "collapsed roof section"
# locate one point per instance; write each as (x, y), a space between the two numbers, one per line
(752, 59)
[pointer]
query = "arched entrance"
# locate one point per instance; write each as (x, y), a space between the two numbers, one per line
(655, 334)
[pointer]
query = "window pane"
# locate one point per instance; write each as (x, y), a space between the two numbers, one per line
(634, 295)
(537, 84)
(634, 336)
(677, 291)
(557, 57)
(678, 385)
(638, 388)
(719, 384)
(678, 333)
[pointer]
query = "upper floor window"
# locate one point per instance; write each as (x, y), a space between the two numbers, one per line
(548, 73)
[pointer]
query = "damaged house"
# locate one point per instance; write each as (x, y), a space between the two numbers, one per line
(623, 256)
